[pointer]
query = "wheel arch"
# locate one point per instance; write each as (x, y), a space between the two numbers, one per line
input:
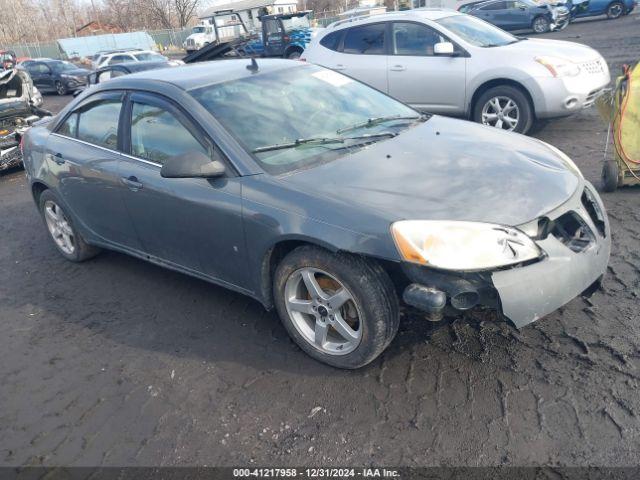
(37, 188)
(274, 255)
(495, 83)
(293, 48)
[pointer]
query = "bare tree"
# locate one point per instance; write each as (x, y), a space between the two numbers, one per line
(185, 11)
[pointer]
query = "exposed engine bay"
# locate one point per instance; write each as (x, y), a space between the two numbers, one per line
(17, 113)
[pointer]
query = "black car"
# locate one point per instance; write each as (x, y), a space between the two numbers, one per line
(57, 76)
(517, 14)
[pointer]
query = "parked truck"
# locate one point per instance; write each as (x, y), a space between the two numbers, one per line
(282, 35)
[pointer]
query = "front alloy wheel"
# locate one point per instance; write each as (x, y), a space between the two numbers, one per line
(541, 25)
(615, 10)
(341, 309)
(501, 112)
(323, 311)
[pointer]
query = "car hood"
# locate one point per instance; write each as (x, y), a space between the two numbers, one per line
(77, 72)
(447, 169)
(575, 52)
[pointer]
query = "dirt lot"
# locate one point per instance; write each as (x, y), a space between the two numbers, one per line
(119, 362)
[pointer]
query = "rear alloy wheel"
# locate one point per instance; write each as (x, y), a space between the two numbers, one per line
(541, 25)
(66, 239)
(504, 107)
(340, 309)
(60, 88)
(615, 10)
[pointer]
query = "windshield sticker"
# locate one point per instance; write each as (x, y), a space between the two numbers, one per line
(332, 78)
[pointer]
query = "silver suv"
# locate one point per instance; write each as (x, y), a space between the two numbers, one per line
(446, 62)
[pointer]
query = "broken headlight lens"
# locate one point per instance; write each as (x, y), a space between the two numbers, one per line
(452, 245)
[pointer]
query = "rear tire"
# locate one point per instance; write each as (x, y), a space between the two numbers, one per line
(541, 25)
(370, 309)
(487, 111)
(610, 174)
(615, 10)
(62, 231)
(60, 88)
(294, 55)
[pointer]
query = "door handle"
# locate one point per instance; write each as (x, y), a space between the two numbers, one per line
(398, 68)
(132, 182)
(57, 158)
(339, 67)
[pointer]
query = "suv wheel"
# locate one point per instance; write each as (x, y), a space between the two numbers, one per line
(615, 10)
(65, 237)
(60, 88)
(504, 107)
(541, 25)
(340, 309)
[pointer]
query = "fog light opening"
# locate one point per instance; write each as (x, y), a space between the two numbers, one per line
(571, 102)
(465, 300)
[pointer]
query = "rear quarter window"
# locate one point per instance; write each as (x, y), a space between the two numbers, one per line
(332, 41)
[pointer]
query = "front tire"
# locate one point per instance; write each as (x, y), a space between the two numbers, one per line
(340, 309)
(615, 10)
(504, 107)
(541, 25)
(62, 232)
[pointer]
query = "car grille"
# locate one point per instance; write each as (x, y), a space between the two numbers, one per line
(572, 231)
(592, 67)
(191, 42)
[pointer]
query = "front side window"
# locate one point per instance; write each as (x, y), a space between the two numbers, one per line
(476, 31)
(157, 134)
(275, 108)
(98, 123)
(69, 127)
(414, 39)
(149, 57)
(495, 6)
(64, 66)
(120, 59)
(368, 39)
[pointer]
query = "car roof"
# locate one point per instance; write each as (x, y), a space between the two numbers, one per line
(190, 76)
(415, 14)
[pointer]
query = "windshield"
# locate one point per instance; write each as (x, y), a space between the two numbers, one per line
(476, 31)
(63, 66)
(149, 57)
(295, 23)
(290, 106)
(198, 30)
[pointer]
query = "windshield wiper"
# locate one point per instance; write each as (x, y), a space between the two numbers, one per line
(372, 122)
(319, 141)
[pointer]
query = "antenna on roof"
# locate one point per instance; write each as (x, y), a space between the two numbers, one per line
(253, 67)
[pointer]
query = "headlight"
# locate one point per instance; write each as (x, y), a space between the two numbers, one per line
(452, 245)
(559, 67)
(565, 158)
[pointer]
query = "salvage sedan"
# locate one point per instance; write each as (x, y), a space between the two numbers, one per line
(319, 196)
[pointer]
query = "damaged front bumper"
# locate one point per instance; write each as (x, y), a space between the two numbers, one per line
(576, 242)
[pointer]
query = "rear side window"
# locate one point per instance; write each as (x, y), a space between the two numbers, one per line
(368, 39)
(157, 134)
(331, 41)
(98, 123)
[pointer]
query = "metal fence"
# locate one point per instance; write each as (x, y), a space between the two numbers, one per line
(163, 39)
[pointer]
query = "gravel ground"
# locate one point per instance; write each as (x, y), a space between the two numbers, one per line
(119, 362)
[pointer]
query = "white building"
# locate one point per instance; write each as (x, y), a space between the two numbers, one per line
(248, 10)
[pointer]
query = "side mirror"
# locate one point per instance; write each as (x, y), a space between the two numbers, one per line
(192, 165)
(443, 48)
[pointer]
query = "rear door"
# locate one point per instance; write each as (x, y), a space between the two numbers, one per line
(419, 77)
(194, 223)
(83, 154)
(41, 75)
(363, 54)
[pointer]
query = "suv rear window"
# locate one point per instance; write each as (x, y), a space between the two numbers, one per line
(332, 41)
(368, 39)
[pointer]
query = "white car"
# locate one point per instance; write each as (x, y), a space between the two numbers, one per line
(132, 56)
(442, 61)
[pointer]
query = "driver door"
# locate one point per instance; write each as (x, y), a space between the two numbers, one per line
(191, 223)
(273, 34)
(419, 77)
